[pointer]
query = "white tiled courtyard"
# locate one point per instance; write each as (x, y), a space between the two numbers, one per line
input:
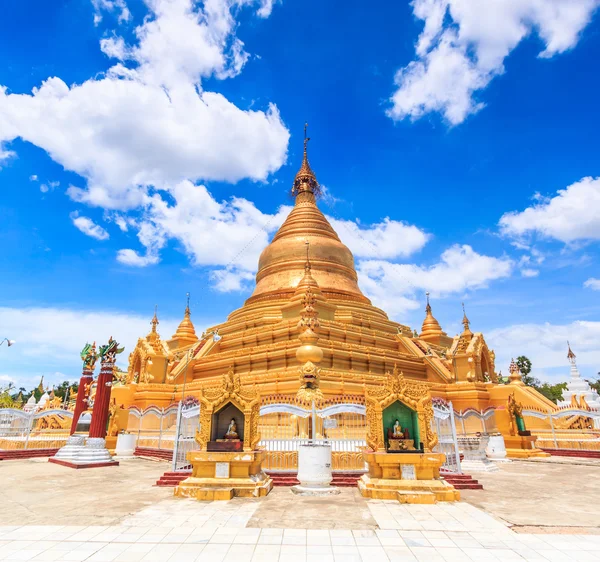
(188, 531)
(48, 512)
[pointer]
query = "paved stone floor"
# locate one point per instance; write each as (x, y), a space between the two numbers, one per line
(149, 524)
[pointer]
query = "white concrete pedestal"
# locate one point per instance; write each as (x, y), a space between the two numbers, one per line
(75, 446)
(125, 446)
(475, 459)
(93, 454)
(496, 449)
(314, 470)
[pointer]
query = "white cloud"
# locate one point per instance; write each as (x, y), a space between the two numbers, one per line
(592, 283)
(528, 272)
(231, 279)
(118, 6)
(50, 186)
(134, 259)
(393, 286)
(571, 215)
(5, 155)
(386, 240)
(33, 177)
(89, 227)
(464, 43)
(546, 346)
(174, 128)
(50, 339)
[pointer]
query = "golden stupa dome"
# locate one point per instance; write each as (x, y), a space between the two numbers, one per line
(282, 263)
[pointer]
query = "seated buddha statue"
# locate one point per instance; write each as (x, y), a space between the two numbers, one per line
(397, 431)
(232, 430)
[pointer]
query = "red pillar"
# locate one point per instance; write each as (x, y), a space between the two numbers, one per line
(102, 401)
(81, 403)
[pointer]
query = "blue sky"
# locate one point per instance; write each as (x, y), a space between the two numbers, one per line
(147, 149)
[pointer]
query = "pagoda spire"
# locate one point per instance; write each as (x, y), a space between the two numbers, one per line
(466, 323)
(430, 327)
(154, 322)
(305, 180)
(185, 330)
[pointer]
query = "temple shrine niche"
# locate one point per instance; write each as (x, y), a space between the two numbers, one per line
(229, 462)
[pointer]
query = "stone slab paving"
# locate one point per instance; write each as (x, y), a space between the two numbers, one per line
(184, 530)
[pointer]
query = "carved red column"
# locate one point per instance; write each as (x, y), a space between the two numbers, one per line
(102, 399)
(82, 399)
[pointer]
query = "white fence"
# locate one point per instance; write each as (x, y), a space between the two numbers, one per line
(46, 429)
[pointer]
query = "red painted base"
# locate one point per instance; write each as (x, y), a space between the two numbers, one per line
(87, 465)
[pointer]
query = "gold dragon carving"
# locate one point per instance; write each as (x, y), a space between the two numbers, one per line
(230, 390)
(415, 395)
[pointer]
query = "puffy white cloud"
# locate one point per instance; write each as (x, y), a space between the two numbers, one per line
(571, 215)
(386, 240)
(393, 286)
(226, 234)
(33, 177)
(546, 346)
(5, 154)
(89, 227)
(148, 121)
(131, 257)
(49, 339)
(528, 272)
(592, 283)
(464, 43)
(117, 6)
(50, 186)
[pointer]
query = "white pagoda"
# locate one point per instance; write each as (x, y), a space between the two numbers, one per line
(578, 389)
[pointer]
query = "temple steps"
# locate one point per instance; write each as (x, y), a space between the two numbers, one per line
(162, 454)
(461, 481)
(578, 453)
(173, 478)
(340, 479)
(26, 454)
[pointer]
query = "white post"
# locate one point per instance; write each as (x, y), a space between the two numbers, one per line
(314, 421)
(176, 444)
(553, 432)
(29, 428)
(455, 438)
(160, 430)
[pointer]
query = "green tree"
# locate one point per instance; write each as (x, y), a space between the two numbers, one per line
(524, 365)
(553, 392)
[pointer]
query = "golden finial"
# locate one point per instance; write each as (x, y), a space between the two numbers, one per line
(306, 139)
(570, 354)
(305, 181)
(428, 307)
(187, 305)
(154, 320)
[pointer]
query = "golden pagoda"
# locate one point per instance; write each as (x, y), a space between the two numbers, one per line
(305, 273)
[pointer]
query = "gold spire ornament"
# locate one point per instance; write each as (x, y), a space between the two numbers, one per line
(515, 373)
(431, 327)
(186, 331)
(306, 181)
(309, 354)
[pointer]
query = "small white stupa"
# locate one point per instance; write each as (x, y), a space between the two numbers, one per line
(577, 388)
(31, 405)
